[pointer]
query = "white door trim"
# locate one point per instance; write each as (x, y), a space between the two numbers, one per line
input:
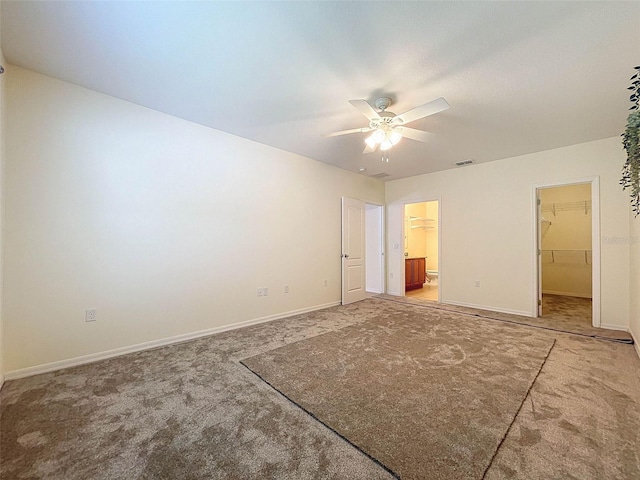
(595, 242)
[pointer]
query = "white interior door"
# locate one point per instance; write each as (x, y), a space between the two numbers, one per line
(374, 247)
(353, 251)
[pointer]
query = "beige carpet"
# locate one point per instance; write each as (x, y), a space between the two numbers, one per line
(560, 309)
(193, 411)
(560, 319)
(426, 400)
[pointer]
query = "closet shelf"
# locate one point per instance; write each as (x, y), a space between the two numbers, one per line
(582, 205)
(420, 219)
(567, 256)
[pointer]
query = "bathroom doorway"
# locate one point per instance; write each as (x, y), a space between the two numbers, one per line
(421, 250)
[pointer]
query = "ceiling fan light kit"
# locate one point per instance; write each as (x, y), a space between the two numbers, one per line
(383, 136)
(387, 127)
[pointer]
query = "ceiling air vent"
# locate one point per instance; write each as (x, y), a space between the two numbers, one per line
(464, 163)
(379, 175)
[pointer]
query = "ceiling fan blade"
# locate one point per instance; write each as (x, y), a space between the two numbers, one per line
(347, 132)
(414, 134)
(369, 149)
(365, 109)
(425, 110)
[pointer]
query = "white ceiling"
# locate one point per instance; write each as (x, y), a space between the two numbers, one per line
(520, 77)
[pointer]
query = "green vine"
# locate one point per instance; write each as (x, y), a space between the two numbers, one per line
(631, 142)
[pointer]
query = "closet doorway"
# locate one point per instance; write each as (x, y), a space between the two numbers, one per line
(421, 250)
(566, 236)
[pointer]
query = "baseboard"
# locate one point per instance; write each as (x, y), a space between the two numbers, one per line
(614, 327)
(522, 313)
(95, 357)
(565, 294)
(635, 342)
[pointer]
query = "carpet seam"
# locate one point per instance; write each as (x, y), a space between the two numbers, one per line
(524, 399)
(395, 475)
(586, 335)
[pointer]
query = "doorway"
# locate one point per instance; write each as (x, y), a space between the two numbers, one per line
(362, 250)
(567, 244)
(421, 250)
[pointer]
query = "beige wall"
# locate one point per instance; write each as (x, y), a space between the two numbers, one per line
(486, 223)
(566, 241)
(164, 226)
(416, 238)
(431, 212)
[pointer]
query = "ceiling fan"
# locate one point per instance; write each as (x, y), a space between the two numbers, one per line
(387, 127)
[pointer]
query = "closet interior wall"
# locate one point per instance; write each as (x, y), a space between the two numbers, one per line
(566, 240)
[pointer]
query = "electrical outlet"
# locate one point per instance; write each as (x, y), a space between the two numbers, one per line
(260, 292)
(286, 289)
(477, 283)
(265, 291)
(391, 275)
(90, 315)
(325, 283)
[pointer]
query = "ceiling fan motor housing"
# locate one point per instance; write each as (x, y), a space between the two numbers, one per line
(383, 103)
(386, 119)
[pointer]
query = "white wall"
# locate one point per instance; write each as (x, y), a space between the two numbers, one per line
(2, 123)
(165, 226)
(634, 284)
(486, 226)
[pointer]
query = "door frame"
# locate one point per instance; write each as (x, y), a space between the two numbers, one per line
(402, 233)
(381, 233)
(595, 243)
